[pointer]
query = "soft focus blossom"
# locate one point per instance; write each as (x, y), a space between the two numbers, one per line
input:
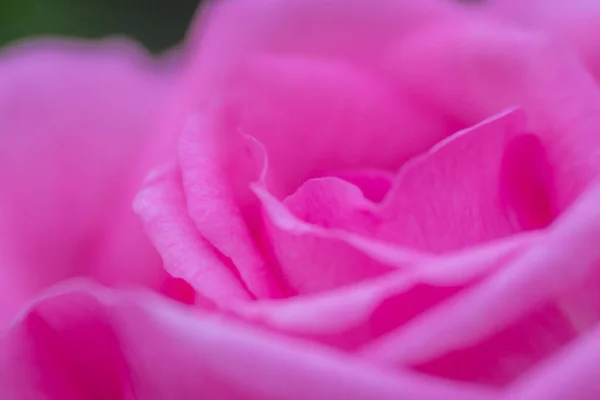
(390, 202)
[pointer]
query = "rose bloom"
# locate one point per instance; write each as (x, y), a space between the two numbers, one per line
(332, 199)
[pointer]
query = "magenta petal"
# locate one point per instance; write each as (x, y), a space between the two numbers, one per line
(316, 232)
(527, 183)
(229, 34)
(451, 197)
(315, 116)
(479, 185)
(311, 263)
(317, 102)
(352, 316)
(475, 69)
(77, 123)
(66, 349)
(320, 254)
(86, 343)
(186, 255)
(570, 374)
(374, 184)
(556, 269)
(217, 166)
(339, 30)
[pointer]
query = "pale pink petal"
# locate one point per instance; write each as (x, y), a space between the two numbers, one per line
(475, 69)
(495, 318)
(217, 166)
(312, 256)
(570, 374)
(76, 139)
(88, 344)
(315, 262)
(352, 316)
(464, 191)
(186, 255)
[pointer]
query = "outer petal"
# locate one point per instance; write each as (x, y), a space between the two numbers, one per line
(570, 374)
(87, 344)
(352, 316)
(459, 195)
(549, 292)
(480, 184)
(478, 68)
(76, 138)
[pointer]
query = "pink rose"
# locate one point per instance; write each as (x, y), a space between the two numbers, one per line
(391, 202)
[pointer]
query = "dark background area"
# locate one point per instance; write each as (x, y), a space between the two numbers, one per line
(158, 24)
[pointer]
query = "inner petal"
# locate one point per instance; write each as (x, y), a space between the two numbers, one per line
(315, 116)
(374, 184)
(527, 182)
(449, 198)
(482, 184)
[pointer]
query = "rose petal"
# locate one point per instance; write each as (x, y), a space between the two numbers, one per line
(533, 285)
(373, 183)
(228, 34)
(317, 102)
(315, 116)
(312, 257)
(463, 192)
(217, 165)
(575, 21)
(186, 255)
(570, 374)
(467, 173)
(352, 316)
(527, 183)
(76, 139)
(477, 68)
(85, 343)
(313, 262)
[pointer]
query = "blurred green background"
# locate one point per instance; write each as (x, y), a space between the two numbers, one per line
(158, 24)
